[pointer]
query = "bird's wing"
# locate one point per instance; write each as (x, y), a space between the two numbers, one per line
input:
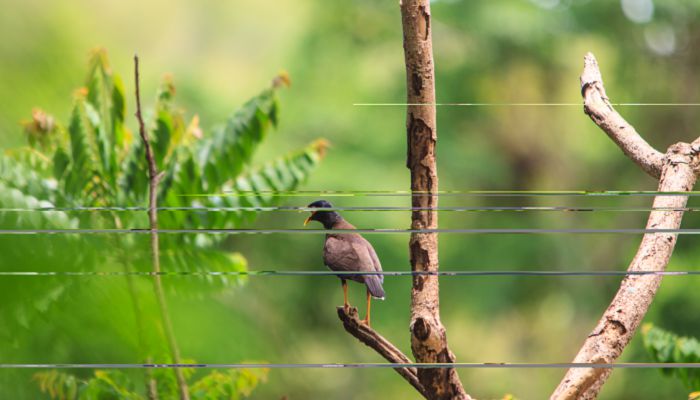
(364, 254)
(340, 255)
(374, 258)
(349, 252)
(370, 263)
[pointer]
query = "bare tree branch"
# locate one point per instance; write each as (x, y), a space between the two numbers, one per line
(154, 178)
(597, 105)
(624, 314)
(368, 336)
(428, 336)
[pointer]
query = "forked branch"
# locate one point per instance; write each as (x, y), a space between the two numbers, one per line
(677, 173)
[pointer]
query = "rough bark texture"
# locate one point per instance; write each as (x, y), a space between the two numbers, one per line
(428, 337)
(677, 173)
(368, 336)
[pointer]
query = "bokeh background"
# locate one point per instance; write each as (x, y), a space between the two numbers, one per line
(341, 54)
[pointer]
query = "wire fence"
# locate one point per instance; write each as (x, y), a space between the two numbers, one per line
(390, 272)
(356, 365)
(265, 273)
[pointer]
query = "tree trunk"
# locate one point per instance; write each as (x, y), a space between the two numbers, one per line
(428, 337)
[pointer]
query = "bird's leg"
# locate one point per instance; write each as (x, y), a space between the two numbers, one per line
(346, 304)
(369, 302)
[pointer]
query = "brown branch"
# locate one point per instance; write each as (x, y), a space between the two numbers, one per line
(620, 321)
(428, 336)
(368, 336)
(154, 178)
(597, 105)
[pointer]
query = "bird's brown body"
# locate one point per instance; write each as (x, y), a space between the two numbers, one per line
(347, 252)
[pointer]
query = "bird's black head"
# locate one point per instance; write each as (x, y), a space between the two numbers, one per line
(327, 217)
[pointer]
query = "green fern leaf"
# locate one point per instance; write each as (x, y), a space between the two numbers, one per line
(84, 170)
(105, 95)
(258, 187)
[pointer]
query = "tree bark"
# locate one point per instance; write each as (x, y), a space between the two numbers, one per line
(597, 106)
(677, 172)
(428, 336)
(368, 336)
(624, 314)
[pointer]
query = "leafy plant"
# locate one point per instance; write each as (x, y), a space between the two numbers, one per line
(231, 384)
(667, 347)
(91, 173)
(95, 161)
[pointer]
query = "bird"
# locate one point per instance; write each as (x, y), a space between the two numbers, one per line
(347, 252)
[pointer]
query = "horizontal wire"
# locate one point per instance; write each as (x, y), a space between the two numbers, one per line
(360, 208)
(347, 273)
(579, 104)
(478, 193)
(688, 231)
(360, 365)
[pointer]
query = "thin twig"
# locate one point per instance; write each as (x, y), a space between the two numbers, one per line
(153, 178)
(151, 384)
(368, 336)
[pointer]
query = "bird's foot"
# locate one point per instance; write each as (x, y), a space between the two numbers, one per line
(347, 308)
(366, 322)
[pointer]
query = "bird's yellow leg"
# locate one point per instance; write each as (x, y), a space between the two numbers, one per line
(346, 304)
(369, 302)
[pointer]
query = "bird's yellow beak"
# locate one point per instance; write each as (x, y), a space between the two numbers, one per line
(309, 218)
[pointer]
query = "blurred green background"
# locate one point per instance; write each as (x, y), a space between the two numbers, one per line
(339, 54)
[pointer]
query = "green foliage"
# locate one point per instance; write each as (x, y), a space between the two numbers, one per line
(343, 52)
(667, 347)
(58, 385)
(96, 134)
(166, 383)
(195, 258)
(95, 161)
(15, 213)
(16, 174)
(233, 384)
(103, 385)
(238, 199)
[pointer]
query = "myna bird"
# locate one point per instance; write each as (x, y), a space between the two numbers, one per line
(348, 252)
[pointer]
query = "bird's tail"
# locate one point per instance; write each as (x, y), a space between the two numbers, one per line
(374, 284)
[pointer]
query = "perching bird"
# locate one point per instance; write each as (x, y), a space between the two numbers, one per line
(348, 252)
